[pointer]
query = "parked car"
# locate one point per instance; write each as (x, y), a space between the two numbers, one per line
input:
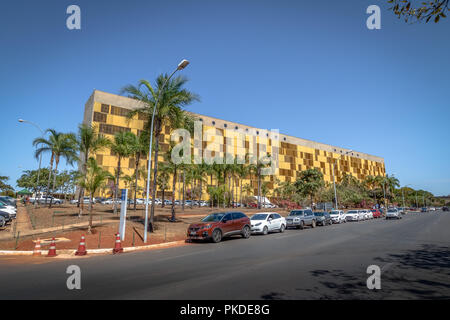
(362, 215)
(9, 209)
(6, 216)
(432, 209)
(216, 226)
(9, 200)
(300, 219)
(2, 222)
(337, 216)
(376, 213)
(393, 213)
(352, 215)
(268, 205)
(266, 222)
(43, 200)
(323, 218)
(424, 209)
(445, 208)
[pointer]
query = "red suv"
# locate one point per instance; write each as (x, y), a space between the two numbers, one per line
(376, 213)
(218, 225)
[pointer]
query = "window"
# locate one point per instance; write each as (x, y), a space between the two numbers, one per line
(224, 125)
(119, 111)
(238, 215)
(105, 108)
(227, 216)
(111, 129)
(99, 117)
(213, 123)
(236, 127)
(99, 159)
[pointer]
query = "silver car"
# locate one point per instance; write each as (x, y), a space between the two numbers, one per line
(301, 218)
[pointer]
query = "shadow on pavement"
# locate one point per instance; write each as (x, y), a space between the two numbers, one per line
(423, 273)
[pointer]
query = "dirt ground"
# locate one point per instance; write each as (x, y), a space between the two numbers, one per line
(103, 235)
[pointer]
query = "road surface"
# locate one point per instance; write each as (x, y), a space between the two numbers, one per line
(321, 263)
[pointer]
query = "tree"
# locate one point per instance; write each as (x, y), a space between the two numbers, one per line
(4, 186)
(168, 112)
(28, 180)
(122, 147)
(426, 10)
(309, 182)
(89, 142)
(60, 145)
(163, 179)
(93, 179)
(140, 150)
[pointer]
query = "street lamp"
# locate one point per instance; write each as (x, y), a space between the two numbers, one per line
(183, 64)
(40, 157)
(334, 183)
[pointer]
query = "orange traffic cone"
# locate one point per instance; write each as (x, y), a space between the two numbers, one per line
(118, 246)
(81, 248)
(37, 248)
(52, 250)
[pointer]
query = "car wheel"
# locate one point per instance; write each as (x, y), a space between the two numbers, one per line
(313, 225)
(246, 232)
(265, 230)
(216, 236)
(282, 228)
(302, 225)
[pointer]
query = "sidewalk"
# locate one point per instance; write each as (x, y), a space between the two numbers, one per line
(30, 232)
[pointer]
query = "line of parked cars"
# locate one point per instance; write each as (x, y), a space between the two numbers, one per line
(8, 210)
(216, 226)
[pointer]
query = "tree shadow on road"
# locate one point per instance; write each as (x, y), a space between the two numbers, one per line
(422, 273)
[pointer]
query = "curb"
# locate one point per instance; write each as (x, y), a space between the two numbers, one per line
(71, 252)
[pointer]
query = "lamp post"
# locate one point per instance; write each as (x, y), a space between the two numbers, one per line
(40, 158)
(183, 64)
(334, 182)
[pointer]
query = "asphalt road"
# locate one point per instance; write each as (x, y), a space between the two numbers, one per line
(322, 263)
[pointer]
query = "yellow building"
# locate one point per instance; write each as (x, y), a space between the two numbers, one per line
(108, 112)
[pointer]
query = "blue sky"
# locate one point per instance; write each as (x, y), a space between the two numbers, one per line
(310, 69)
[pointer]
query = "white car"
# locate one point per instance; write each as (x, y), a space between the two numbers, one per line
(337, 216)
(362, 215)
(393, 214)
(368, 214)
(8, 209)
(352, 215)
(265, 222)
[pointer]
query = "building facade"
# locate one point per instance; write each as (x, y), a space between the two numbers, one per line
(108, 113)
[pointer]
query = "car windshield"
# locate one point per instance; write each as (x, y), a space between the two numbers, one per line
(353, 211)
(296, 213)
(334, 212)
(261, 216)
(392, 210)
(213, 217)
(318, 214)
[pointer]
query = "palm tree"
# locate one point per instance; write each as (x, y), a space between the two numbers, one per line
(169, 112)
(122, 147)
(60, 145)
(89, 142)
(163, 179)
(93, 179)
(140, 150)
